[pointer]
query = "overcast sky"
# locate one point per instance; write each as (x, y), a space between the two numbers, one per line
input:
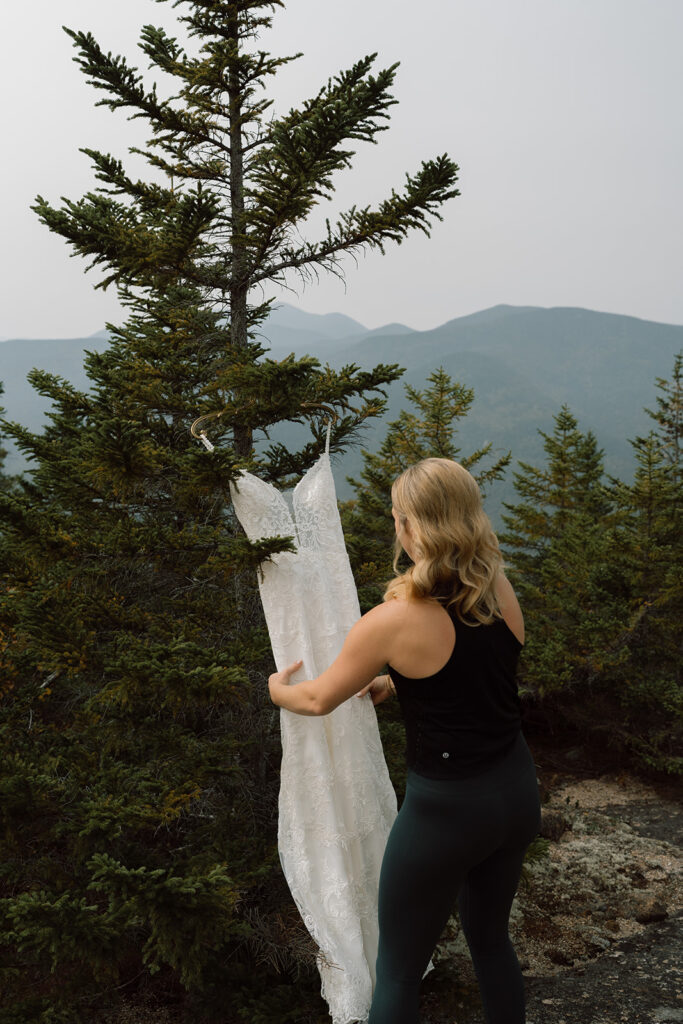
(564, 117)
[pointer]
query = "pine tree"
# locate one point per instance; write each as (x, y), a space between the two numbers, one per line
(596, 565)
(429, 431)
(273, 175)
(669, 417)
(648, 540)
(6, 637)
(5, 481)
(140, 751)
(568, 485)
(558, 554)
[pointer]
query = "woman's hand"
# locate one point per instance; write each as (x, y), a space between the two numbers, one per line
(282, 679)
(379, 689)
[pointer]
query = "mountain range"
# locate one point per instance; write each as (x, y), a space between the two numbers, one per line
(523, 363)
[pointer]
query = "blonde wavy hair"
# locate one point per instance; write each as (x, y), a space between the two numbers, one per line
(456, 553)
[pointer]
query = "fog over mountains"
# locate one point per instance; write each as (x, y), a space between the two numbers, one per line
(523, 363)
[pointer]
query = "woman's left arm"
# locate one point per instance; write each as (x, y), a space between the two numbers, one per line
(366, 650)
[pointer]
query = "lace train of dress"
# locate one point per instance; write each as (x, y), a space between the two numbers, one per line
(336, 803)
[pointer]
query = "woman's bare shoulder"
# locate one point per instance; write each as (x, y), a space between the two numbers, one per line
(392, 611)
(390, 617)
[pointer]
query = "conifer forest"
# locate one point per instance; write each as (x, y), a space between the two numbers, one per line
(140, 749)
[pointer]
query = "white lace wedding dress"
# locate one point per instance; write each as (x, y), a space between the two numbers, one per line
(336, 803)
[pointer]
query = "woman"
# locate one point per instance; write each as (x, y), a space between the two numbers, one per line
(450, 631)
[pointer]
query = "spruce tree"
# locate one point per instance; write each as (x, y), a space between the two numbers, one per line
(5, 481)
(428, 431)
(596, 565)
(140, 750)
(558, 555)
(669, 417)
(6, 637)
(569, 485)
(648, 536)
(648, 541)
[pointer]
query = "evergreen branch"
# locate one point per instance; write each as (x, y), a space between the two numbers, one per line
(394, 219)
(209, 18)
(210, 170)
(207, 76)
(150, 196)
(116, 236)
(298, 165)
(112, 74)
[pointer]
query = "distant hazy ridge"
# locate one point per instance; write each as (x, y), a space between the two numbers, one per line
(522, 361)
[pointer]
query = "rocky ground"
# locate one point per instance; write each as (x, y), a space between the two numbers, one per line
(598, 925)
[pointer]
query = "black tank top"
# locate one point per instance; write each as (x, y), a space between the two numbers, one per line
(466, 716)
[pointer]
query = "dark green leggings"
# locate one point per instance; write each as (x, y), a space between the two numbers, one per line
(456, 840)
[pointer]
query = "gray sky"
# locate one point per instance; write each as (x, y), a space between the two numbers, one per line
(563, 115)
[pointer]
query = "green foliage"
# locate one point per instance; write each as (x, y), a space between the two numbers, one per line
(597, 567)
(648, 539)
(537, 851)
(429, 431)
(6, 482)
(669, 417)
(559, 555)
(281, 1003)
(140, 749)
